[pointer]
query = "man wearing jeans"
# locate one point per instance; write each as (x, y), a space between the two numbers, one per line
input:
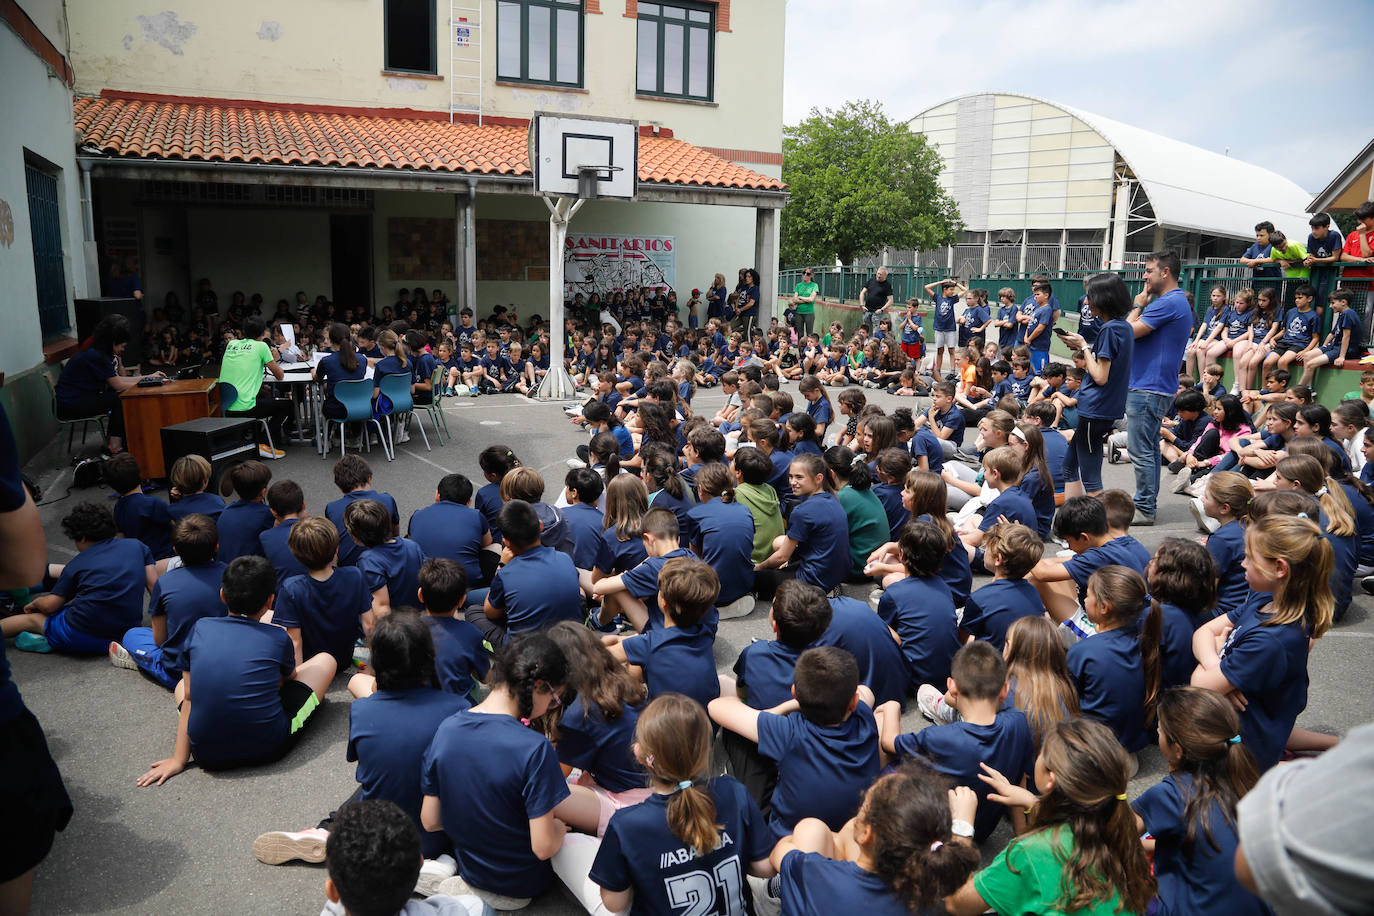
(876, 297)
(1162, 328)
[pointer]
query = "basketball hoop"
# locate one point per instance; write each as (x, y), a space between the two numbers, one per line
(589, 178)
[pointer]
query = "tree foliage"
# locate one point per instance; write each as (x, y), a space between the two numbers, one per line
(858, 182)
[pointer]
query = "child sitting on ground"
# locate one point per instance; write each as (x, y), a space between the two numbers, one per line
(1001, 472)
(825, 748)
(287, 503)
(634, 593)
(1082, 524)
(461, 659)
(189, 477)
(535, 586)
(451, 528)
(919, 607)
(180, 597)
(676, 656)
(353, 477)
(987, 733)
(327, 609)
(139, 516)
(246, 517)
(1011, 551)
(243, 698)
(98, 596)
(390, 565)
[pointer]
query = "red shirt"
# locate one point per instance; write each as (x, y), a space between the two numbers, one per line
(1352, 246)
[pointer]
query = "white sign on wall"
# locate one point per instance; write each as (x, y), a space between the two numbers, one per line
(596, 263)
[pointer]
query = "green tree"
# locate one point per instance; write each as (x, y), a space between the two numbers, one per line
(859, 181)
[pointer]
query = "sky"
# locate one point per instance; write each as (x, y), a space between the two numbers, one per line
(1213, 73)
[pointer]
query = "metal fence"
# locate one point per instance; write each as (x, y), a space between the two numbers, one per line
(1232, 277)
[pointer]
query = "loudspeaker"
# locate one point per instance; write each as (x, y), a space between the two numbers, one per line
(90, 311)
(221, 441)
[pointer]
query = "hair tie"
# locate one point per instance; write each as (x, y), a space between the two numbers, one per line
(1302, 515)
(936, 845)
(685, 784)
(1121, 797)
(1234, 739)
(525, 722)
(1320, 493)
(649, 761)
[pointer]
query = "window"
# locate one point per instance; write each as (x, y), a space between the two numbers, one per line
(677, 47)
(409, 36)
(539, 41)
(45, 227)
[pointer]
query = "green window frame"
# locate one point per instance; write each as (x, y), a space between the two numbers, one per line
(399, 19)
(676, 50)
(540, 42)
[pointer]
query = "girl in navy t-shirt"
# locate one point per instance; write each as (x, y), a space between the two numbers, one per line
(1191, 813)
(897, 856)
(694, 839)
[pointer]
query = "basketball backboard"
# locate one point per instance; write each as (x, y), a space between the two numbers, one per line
(563, 149)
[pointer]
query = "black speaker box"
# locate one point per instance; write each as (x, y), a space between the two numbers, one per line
(90, 311)
(220, 441)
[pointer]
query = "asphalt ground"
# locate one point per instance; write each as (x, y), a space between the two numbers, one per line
(186, 847)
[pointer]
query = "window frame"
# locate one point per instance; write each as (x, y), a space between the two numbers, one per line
(688, 25)
(554, 7)
(387, 65)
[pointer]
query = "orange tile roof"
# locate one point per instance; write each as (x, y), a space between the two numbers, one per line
(204, 130)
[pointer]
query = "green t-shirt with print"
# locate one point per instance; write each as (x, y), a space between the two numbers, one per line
(242, 368)
(1294, 251)
(803, 290)
(1027, 877)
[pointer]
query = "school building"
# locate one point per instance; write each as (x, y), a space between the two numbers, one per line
(351, 149)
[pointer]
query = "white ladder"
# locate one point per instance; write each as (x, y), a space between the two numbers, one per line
(465, 58)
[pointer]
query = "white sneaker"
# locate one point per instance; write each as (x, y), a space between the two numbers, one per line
(279, 846)
(931, 701)
(1205, 522)
(404, 434)
(874, 597)
(575, 463)
(434, 872)
(120, 657)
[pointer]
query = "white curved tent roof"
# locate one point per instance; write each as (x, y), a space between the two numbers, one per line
(1192, 188)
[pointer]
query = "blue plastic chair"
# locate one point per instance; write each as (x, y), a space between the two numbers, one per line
(396, 387)
(356, 397)
(228, 394)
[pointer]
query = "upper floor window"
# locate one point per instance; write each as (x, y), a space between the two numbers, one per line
(677, 47)
(539, 41)
(409, 30)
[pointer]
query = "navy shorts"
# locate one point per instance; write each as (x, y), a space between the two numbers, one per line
(34, 805)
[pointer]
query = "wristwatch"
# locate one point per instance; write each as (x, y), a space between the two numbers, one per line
(961, 828)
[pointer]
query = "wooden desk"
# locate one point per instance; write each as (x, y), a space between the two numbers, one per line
(147, 410)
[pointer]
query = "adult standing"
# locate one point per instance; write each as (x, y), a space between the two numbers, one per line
(747, 309)
(876, 297)
(1162, 322)
(804, 298)
(92, 380)
(715, 298)
(1107, 364)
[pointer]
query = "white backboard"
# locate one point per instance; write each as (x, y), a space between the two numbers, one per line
(559, 146)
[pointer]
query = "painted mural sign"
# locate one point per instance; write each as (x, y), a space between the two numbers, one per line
(593, 262)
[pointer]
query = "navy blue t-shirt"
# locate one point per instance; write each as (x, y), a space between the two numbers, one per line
(349, 551)
(944, 312)
(1255, 251)
(1056, 448)
(820, 410)
(1267, 663)
(486, 809)
(992, 609)
(185, 595)
(1041, 496)
(603, 747)
(1123, 551)
(395, 565)
(1237, 321)
(1115, 342)
(890, 495)
(725, 540)
(452, 531)
(640, 852)
(921, 610)
(1299, 327)
(860, 632)
(330, 371)
(239, 526)
(821, 529)
(676, 660)
(1014, 504)
(1176, 660)
(1203, 880)
(237, 666)
(103, 587)
(85, 375)
(327, 613)
(210, 504)
(459, 654)
(616, 556)
(537, 588)
(488, 502)
(1042, 317)
(955, 570)
(144, 518)
(958, 748)
(1227, 547)
(679, 506)
(812, 884)
(823, 770)
(953, 420)
(388, 733)
(275, 546)
(1110, 676)
(584, 525)
(765, 670)
(925, 442)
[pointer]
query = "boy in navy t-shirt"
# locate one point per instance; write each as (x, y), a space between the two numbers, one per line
(98, 596)
(461, 658)
(1011, 550)
(920, 607)
(452, 529)
(677, 656)
(353, 477)
(287, 503)
(823, 741)
(243, 699)
(327, 609)
(535, 586)
(1001, 472)
(138, 515)
(860, 632)
(181, 597)
(1082, 524)
(1039, 330)
(582, 488)
(390, 565)
(634, 593)
(986, 733)
(1301, 331)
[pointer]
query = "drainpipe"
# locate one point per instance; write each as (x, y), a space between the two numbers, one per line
(90, 256)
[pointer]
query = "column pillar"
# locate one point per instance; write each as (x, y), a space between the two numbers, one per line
(465, 247)
(766, 261)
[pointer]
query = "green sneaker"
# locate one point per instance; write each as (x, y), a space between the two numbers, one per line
(32, 642)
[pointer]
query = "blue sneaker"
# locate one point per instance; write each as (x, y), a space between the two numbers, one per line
(32, 642)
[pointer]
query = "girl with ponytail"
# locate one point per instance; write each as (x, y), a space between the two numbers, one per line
(1116, 670)
(898, 855)
(694, 839)
(923, 495)
(667, 489)
(868, 527)
(1191, 813)
(341, 364)
(1080, 828)
(490, 752)
(724, 537)
(1305, 469)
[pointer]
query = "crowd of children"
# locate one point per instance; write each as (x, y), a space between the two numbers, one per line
(571, 635)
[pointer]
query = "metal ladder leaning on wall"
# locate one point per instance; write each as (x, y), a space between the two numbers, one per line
(465, 58)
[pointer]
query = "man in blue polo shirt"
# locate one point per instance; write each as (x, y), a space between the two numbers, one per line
(1162, 328)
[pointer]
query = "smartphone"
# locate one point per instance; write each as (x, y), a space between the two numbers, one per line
(1060, 331)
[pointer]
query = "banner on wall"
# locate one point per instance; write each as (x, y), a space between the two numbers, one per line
(595, 263)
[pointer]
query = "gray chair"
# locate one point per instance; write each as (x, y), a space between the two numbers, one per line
(71, 424)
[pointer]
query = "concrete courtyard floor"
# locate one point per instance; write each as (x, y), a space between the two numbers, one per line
(186, 847)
